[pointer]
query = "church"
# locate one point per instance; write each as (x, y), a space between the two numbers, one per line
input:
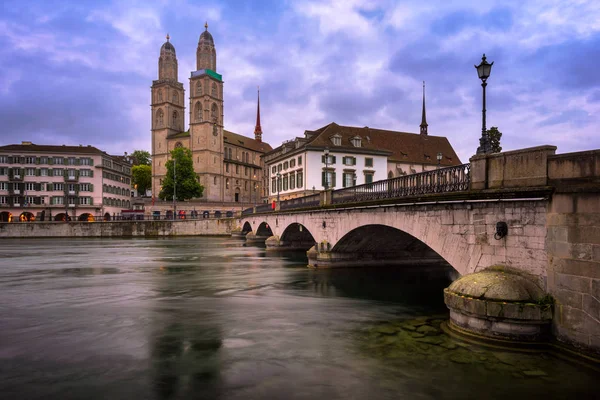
(227, 164)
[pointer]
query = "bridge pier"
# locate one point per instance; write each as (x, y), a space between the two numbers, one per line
(276, 243)
(253, 239)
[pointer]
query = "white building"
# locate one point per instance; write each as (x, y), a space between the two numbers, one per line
(62, 183)
(356, 156)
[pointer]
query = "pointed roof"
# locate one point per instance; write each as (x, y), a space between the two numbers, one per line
(423, 117)
(258, 128)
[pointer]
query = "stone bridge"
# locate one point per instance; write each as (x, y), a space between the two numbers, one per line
(549, 204)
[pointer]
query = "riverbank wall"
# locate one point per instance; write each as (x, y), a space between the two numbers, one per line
(200, 227)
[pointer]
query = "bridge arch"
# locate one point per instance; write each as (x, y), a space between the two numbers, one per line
(264, 229)
(296, 236)
(247, 228)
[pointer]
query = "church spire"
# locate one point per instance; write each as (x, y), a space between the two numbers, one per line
(258, 129)
(423, 117)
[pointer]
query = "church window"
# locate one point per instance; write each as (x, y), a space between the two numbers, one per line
(159, 118)
(214, 90)
(230, 154)
(175, 97)
(213, 112)
(174, 119)
(199, 88)
(226, 167)
(215, 180)
(245, 186)
(226, 183)
(159, 95)
(237, 169)
(178, 145)
(198, 111)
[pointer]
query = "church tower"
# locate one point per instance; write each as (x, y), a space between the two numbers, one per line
(423, 126)
(206, 118)
(168, 108)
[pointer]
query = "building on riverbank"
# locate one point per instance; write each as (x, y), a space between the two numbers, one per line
(227, 164)
(60, 183)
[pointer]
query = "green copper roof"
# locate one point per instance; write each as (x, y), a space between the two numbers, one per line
(208, 72)
(181, 134)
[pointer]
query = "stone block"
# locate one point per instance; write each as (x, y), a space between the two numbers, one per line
(500, 251)
(591, 306)
(534, 231)
(562, 204)
(592, 326)
(558, 233)
(574, 283)
(553, 219)
(587, 203)
(572, 318)
(581, 251)
(587, 269)
(561, 249)
(596, 288)
(447, 217)
(596, 252)
(568, 298)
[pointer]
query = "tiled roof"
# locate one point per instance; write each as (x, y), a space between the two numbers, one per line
(404, 146)
(42, 148)
(243, 141)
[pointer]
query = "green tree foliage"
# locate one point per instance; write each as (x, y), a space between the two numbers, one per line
(141, 178)
(494, 135)
(141, 157)
(187, 185)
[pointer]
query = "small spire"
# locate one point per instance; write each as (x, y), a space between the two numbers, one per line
(258, 129)
(168, 37)
(423, 117)
(206, 25)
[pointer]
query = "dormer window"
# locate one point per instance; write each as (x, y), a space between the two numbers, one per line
(336, 139)
(356, 141)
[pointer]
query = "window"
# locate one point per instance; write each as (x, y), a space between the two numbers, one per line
(328, 159)
(215, 180)
(43, 171)
(246, 171)
(368, 177)
(349, 160)
(57, 172)
(286, 165)
(3, 171)
(3, 186)
(292, 163)
(226, 183)
(85, 161)
(292, 181)
(299, 160)
(328, 179)
(368, 162)
(85, 201)
(274, 169)
(42, 200)
(86, 172)
(245, 186)
(3, 200)
(226, 167)
(57, 187)
(44, 160)
(29, 186)
(30, 171)
(279, 167)
(336, 140)
(237, 169)
(199, 88)
(198, 111)
(349, 179)
(214, 90)
(3, 160)
(85, 187)
(58, 200)
(273, 187)
(356, 141)
(29, 200)
(71, 173)
(29, 160)
(285, 182)
(299, 180)
(71, 161)
(58, 160)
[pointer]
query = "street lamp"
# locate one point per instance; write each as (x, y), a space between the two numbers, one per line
(278, 180)
(439, 158)
(174, 188)
(483, 71)
(326, 152)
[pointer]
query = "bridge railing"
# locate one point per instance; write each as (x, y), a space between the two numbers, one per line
(443, 180)
(312, 200)
(248, 211)
(264, 208)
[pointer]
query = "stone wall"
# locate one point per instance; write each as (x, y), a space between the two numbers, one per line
(574, 248)
(200, 227)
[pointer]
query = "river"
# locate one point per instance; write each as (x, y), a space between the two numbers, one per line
(208, 318)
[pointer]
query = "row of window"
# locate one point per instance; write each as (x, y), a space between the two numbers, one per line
(228, 155)
(51, 160)
(116, 166)
(287, 182)
(346, 160)
(247, 170)
(47, 187)
(115, 177)
(116, 190)
(111, 202)
(328, 178)
(25, 201)
(67, 173)
(285, 165)
(337, 140)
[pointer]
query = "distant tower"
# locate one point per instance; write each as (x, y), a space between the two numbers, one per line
(257, 128)
(167, 110)
(423, 117)
(206, 118)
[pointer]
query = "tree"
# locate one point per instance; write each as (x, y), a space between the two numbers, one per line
(141, 157)
(494, 136)
(187, 185)
(141, 178)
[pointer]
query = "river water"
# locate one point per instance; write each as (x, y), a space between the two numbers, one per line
(208, 318)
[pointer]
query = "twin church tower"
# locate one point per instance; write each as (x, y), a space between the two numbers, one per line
(228, 165)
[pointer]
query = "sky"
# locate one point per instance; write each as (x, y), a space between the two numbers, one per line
(80, 72)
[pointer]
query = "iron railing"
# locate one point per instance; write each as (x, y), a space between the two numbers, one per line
(264, 208)
(312, 200)
(443, 180)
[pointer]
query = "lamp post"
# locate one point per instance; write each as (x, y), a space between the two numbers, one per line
(326, 153)
(174, 189)
(278, 180)
(483, 71)
(439, 158)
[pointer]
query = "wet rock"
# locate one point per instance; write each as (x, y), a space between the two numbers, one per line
(534, 373)
(449, 345)
(431, 340)
(386, 329)
(461, 358)
(428, 330)
(408, 327)
(505, 358)
(417, 334)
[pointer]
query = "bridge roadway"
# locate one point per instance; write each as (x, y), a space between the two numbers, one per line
(549, 203)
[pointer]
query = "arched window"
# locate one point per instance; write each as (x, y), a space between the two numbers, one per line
(390, 175)
(199, 88)
(175, 97)
(214, 112)
(215, 180)
(230, 153)
(159, 118)
(214, 89)
(226, 183)
(159, 95)
(198, 111)
(174, 119)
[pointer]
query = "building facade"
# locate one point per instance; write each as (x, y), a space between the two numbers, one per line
(227, 164)
(62, 183)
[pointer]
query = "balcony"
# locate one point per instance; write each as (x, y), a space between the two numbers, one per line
(17, 191)
(16, 204)
(70, 178)
(71, 205)
(71, 192)
(15, 177)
